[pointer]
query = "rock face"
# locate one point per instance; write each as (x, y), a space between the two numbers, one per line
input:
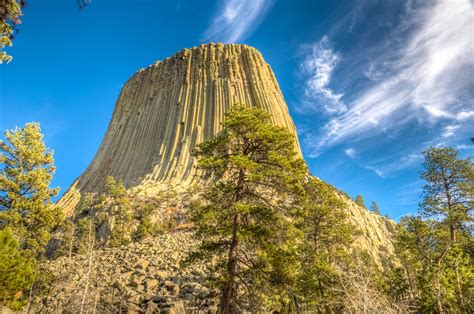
(167, 108)
(164, 110)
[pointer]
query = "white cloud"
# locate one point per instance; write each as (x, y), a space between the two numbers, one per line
(317, 69)
(464, 147)
(428, 79)
(384, 168)
(465, 115)
(450, 130)
(374, 72)
(377, 171)
(351, 152)
(236, 19)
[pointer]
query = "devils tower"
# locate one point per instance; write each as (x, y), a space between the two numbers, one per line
(164, 110)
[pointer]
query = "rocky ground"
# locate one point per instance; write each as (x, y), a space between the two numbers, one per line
(143, 277)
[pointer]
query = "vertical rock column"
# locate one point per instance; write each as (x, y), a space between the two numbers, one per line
(163, 111)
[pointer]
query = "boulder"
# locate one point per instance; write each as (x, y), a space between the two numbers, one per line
(151, 284)
(142, 263)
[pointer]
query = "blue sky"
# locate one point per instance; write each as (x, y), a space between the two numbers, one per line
(370, 84)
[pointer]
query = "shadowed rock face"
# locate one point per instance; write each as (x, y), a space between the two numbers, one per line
(166, 109)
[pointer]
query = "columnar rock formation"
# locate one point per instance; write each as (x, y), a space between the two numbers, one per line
(167, 108)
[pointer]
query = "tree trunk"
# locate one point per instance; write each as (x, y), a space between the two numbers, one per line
(30, 298)
(452, 235)
(228, 290)
(459, 289)
(71, 243)
(438, 294)
(410, 281)
(91, 248)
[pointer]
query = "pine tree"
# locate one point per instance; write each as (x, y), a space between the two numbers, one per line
(15, 272)
(143, 212)
(359, 200)
(10, 14)
(449, 198)
(435, 248)
(375, 208)
(121, 207)
(326, 242)
(243, 222)
(427, 258)
(449, 189)
(25, 176)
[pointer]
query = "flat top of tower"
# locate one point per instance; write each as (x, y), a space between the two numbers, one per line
(203, 47)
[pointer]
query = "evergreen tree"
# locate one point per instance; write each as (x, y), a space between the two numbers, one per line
(77, 233)
(244, 220)
(375, 208)
(395, 284)
(439, 276)
(359, 200)
(15, 272)
(121, 207)
(114, 189)
(435, 247)
(27, 168)
(327, 238)
(146, 226)
(10, 13)
(449, 199)
(449, 189)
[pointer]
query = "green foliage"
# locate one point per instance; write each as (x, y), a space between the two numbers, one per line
(75, 229)
(27, 216)
(244, 220)
(25, 197)
(10, 13)
(435, 248)
(375, 208)
(359, 200)
(448, 193)
(327, 237)
(83, 230)
(439, 275)
(116, 216)
(395, 284)
(120, 207)
(114, 189)
(146, 226)
(15, 272)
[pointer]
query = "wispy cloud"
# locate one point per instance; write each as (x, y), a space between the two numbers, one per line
(317, 69)
(427, 79)
(409, 194)
(384, 168)
(236, 19)
(450, 130)
(464, 147)
(351, 152)
(377, 171)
